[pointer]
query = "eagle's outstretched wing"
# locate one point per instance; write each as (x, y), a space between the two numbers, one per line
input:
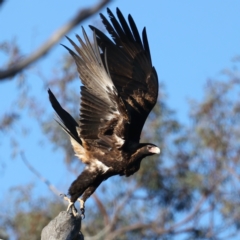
(130, 67)
(103, 115)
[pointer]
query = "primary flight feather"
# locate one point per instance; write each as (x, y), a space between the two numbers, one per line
(120, 88)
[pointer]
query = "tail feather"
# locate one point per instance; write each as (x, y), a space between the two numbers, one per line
(68, 123)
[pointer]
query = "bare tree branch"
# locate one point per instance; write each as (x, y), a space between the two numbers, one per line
(65, 225)
(154, 227)
(56, 36)
(121, 205)
(102, 209)
(191, 215)
(100, 235)
(1, 2)
(233, 172)
(52, 188)
(141, 226)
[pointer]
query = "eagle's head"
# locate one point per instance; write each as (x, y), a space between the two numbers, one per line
(142, 150)
(152, 149)
(148, 149)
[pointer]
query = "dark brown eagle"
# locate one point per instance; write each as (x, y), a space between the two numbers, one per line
(120, 88)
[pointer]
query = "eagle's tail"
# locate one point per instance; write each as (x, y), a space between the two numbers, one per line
(67, 123)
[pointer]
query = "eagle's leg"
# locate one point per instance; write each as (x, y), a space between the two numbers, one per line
(86, 184)
(70, 205)
(87, 193)
(82, 207)
(81, 185)
(91, 189)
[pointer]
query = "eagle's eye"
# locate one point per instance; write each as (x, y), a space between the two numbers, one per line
(149, 147)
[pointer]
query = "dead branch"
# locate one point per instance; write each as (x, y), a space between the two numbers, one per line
(153, 224)
(120, 206)
(100, 235)
(56, 36)
(63, 227)
(52, 188)
(1, 2)
(191, 215)
(141, 226)
(102, 209)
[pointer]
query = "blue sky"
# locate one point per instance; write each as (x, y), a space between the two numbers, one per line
(190, 42)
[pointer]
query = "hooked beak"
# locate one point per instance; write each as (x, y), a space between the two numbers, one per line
(155, 150)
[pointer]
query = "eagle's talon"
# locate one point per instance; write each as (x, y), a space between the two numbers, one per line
(82, 214)
(74, 210)
(62, 195)
(70, 205)
(82, 207)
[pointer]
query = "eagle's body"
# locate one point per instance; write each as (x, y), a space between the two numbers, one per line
(120, 88)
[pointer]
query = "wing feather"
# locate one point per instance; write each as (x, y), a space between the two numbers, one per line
(102, 110)
(134, 30)
(130, 67)
(67, 122)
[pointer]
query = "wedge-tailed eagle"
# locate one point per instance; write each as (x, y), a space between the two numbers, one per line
(120, 88)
